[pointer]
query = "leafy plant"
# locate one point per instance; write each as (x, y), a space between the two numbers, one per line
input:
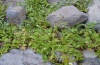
(82, 5)
(36, 33)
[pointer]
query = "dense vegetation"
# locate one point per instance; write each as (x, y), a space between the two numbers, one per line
(36, 33)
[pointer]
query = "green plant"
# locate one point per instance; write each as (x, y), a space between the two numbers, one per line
(82, 5)
(2, 12)
(37, 34)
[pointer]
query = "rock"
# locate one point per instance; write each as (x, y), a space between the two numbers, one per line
(19, 57)
(49, 63)
(94, 12)
(15, 14)
(90, 58)
(66, 16)
(74, 63)
(61, 1)
(10, 59)
(10, 2)
(97, 27)
(58, 56)
(91, 61)
(72, 1)
(14, 51)
(55, 1)
(89, 53)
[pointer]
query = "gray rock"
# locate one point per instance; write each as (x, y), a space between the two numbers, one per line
(91, 61)
(14, 51)
(66, 16)
(10, 59)
(58, 56)
(19, 57)
(94, 12)
(10, 2)
(55, 1)
(72, 1)
(74, 63)
(61, 1)
(90, 58)
(15, 14)
(49, 63)
(89, 54)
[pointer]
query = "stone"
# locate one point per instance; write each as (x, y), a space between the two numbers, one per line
(14, 51)
(72, 1)
(89, 53)
(61, 1)
(90, 58)
(66, 16)
(15, 14)
(10, 2)
(58, 56)
(10, 59)
(49, 63)
(55, 1)
(19, 57)
(91, 61)
(94, 12)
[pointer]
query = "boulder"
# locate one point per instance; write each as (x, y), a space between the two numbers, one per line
(66, 16)
(19, 57)
(94, 12)
(15, 14)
